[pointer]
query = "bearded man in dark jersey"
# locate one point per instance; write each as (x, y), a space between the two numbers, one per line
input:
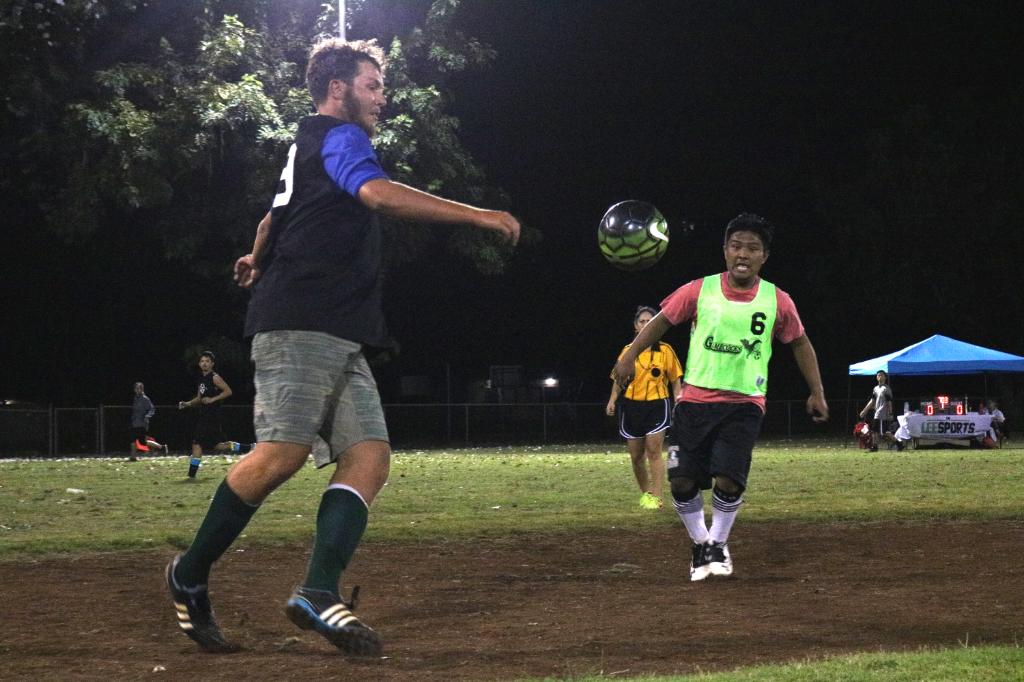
(315, 274)
(734, 318)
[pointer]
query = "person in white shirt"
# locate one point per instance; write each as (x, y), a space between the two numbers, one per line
(997, 429)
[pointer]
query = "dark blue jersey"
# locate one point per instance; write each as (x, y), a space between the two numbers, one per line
(321, 265)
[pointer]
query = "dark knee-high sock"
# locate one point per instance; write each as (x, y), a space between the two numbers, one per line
(193, 466)
(340, 523)
(226, 519)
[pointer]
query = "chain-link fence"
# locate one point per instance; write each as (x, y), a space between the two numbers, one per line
(106, 430)
(26, 431)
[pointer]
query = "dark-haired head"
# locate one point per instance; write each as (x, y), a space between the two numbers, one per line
(644, 309)
(751, 222)
(335, 59)
(207, 354)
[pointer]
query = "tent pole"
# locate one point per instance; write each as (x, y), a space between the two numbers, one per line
(846, 412)
(985, 374)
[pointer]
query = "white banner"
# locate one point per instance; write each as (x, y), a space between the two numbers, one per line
(946, 426)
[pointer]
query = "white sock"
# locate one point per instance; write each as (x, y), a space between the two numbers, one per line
(342, 486)
(692, 514)
(723, 514)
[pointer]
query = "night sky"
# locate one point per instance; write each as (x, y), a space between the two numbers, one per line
(705, 109)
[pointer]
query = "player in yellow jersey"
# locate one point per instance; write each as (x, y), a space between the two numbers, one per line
(645, 410)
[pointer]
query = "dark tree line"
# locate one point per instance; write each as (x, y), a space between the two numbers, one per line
(140, 143)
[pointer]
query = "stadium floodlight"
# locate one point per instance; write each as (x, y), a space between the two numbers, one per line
(551, 382)
(341, 19)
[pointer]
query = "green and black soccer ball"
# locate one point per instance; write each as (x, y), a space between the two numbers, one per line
(633, 235)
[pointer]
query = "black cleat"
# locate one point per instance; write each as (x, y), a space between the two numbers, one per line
(719, 560)
(195, 615)
(326, 613)
(699, 565)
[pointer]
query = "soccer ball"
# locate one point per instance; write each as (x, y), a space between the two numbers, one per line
(633, 235)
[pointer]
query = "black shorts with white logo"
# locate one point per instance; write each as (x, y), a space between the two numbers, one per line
(639, 418)
(712, 439)
(207, 433)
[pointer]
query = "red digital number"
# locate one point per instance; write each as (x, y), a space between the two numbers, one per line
(943, 401)
(959, 408)
(930, 410)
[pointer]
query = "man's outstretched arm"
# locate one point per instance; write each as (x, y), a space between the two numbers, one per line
(400, 201)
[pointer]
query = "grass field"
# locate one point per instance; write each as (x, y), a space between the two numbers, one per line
(90, 505)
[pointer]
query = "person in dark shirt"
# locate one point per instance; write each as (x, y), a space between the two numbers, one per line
(212, 390)
(315, 275)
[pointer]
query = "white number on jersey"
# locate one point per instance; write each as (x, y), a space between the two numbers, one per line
(287, 176)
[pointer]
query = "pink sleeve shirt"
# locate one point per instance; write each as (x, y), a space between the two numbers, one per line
(681, 306)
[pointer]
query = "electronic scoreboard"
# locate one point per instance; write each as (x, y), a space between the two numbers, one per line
(943, 404)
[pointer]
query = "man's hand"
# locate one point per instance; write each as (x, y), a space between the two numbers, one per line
(624, 372)
(246, 271)
(182, 405)
(206, 401)
(500, 222)
(817, 408)
(610, 409)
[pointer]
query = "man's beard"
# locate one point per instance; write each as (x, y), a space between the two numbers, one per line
(355, 114)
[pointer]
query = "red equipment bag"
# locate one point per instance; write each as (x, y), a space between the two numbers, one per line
(862, 431)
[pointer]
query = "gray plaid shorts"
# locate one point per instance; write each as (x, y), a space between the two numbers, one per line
(315, 389)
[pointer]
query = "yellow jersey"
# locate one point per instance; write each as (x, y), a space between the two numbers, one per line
(656, 368)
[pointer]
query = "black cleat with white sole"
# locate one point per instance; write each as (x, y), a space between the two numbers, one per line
(331, 617)
(719, 559)
(699, 564)
(195, 615)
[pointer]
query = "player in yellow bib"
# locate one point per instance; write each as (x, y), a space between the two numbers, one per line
(734, 317)
(645, 410)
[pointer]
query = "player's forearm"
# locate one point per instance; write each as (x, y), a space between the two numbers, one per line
(807, 361)
(261, 237)
(615, 393)
(396, 200)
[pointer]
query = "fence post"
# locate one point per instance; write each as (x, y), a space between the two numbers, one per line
(544, 418)
(100, 425)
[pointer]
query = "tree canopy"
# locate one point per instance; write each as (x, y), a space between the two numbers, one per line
(183, 134)
(141, 143)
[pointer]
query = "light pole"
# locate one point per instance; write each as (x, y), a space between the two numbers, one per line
(341, 19)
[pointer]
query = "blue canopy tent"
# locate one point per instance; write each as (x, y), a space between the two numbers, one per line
(939, 355)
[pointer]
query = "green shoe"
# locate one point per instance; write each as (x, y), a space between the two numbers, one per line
(649, 501)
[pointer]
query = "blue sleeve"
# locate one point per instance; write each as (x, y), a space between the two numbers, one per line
(349, 158)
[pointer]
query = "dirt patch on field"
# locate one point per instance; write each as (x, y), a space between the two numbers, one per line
(618, 602)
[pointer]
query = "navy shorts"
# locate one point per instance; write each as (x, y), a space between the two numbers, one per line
(712, 439)
(639, 418)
